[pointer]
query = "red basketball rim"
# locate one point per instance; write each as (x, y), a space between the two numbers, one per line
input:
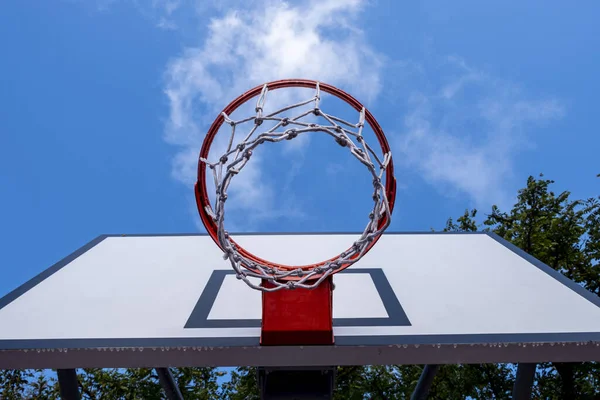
(202, 198)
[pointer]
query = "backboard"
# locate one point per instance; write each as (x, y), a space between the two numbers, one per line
(416, 298)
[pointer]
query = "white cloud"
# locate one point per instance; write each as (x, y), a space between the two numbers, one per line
(270, 40)
(466, 136)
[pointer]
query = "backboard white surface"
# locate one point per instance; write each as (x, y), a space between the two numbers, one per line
(427, 290)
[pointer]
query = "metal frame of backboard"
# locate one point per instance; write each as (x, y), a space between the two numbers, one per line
(379, 350)
(527, 349)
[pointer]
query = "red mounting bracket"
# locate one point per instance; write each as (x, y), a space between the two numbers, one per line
(298, 316)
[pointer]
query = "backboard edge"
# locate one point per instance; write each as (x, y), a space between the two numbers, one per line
(30, 284)
(574, 286)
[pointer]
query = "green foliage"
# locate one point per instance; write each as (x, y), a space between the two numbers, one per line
(13, 383)
(198, 383)
(121, 384)
(466, 223)
(126, 384)
(42, 387)
(376, 382)
(243, 385)
(478, 381)
(27, 384)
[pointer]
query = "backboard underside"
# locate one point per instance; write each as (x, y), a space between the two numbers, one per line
(416, 298)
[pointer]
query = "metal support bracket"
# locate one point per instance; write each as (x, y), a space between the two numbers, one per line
(69, 386)
(424, 383)
(524, 381)
(168, 384)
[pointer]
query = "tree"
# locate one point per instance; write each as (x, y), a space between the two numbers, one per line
(562, 233)
(125, 384)
(243, 384)
(13, 383)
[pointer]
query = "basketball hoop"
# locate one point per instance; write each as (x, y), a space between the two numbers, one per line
(237, 155)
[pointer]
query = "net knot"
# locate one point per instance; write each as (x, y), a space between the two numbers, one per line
(227, 252)
(341, 141)
(269, 270)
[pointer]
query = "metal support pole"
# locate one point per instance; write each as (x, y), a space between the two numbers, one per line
(168, 384)
(425, 382)
(524, 381)
(67, 381)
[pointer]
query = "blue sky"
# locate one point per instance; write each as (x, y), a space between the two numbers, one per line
(104, 105)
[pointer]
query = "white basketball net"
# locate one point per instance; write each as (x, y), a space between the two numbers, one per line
(286, 128)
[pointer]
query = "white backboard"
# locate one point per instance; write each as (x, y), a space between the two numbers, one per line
(171, 300)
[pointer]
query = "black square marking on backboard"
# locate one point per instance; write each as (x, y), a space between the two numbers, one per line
(396, 314)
